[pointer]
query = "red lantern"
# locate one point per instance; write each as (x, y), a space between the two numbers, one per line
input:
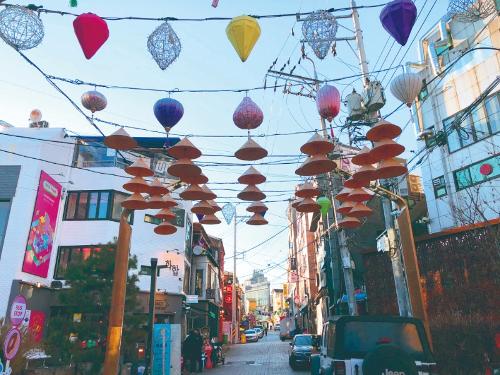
(328, 102)
(91, 31)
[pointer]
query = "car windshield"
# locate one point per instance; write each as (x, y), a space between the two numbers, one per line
(250, 332)
(303, 340)
(363, 337)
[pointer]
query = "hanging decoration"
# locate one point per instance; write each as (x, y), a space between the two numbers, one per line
(406, 87)
(317, 145)
(398, 18)
(308, 205)
(165, 214)
(390, 168)
(94, 101)
(353, 183)
(164, 45)
(319, 30)
(155, 187)
(184, 149)
(20, 27)
(307, 190)
(250, 151)
(251, 193)
(366, 174)
(203, 207)
(316, 165)
(136, 185)
(346, 207)
(349, 223)
(257, 207)
(343, 195)
(139, 169)
(195, 193)
(183, 168)
(248, 115)
(135, 202)
(252, 177)
(73, 3)
(382, 129)
(195, 179)
(210, 220)
(471, 10)
(91, 31)
(360, 195)
(257, 219)
(243, 32)
(168, 112)
(328, 102)
(120, 140)
(386, 149)
(165, 228)
(325, 204)
(155, 202)
(360, 210)
(228, 211)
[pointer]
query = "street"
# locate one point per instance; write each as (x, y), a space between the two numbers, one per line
(269, 356)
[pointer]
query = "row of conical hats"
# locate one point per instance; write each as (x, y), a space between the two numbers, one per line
(304, 201)
(317, 148)
(252, 177)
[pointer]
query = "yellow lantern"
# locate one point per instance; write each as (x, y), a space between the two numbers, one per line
(243, 32)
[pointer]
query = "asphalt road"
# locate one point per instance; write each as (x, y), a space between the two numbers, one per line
(268, 356)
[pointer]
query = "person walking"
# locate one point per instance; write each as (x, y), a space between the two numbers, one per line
(191, 351)
(265, 330)
(198, 349)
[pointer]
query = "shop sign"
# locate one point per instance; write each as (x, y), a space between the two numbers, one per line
(11, 343)
(18, 310)
(162, 343)
(191, 299)
(43, 227)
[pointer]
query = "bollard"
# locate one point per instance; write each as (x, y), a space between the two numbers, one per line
(243, 339)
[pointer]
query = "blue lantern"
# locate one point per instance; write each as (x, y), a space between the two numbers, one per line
(168, 112)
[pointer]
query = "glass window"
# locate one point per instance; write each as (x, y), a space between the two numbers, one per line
(452, 135)
(302, 340)
(103, 204)
(466, 132)
(63, 261)
(94, 198)
(118, 198)
(480, 123)
(472, 175)
(492, 107)
(330, 340)
(462, 179)
(4, 218)
(198, 283)
(151, 219)
(81, 212)
(69, 256)
(71, 205)
(439, 186)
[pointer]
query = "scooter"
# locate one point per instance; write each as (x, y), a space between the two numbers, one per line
(218, 354)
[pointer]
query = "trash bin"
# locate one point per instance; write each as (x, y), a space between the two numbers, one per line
(315, 364)
(243, 338)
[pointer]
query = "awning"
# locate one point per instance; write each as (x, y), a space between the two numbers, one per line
(359, 297)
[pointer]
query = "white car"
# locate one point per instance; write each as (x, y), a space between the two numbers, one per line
(260, 331)
(251, 335)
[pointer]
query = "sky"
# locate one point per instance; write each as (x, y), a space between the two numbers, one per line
(207, 61)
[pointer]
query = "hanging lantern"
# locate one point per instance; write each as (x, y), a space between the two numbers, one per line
(386, 149)
(157, 188)
(164, 45)
(184, 150)
(165, 214)
(343, 195)
(257, 207)
(390, 168)
(346, 207)
(214, 205)
(363, 157)
(316, 165)
(251, 193)
(383, 129)
(248, 115)
(210, 193)
(252, 177)
(319, 30)
(120, 140)
(360, 195)
(94, 101)
(243, 32)
(307, 190)
(168, 112)
(183, 168)
(203, 208)
(324, 204)
(195, 193)
(406, 87)
(165, 228)
(251, 151)
(308, 205)
(486, 169)
(352, 183)
(471, 10)
(257, 219)
(328, 102)
(365, 173)
(139, 169)
(317, 145)
(398, 18)
(197, 179)
(349, 223)
(135, 202)
(20, 27)
(155, 202)
(360, 210)
(91, 31)
(210, 220)
(136, 185)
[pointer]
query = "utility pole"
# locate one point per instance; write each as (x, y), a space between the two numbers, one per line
(234, 330)
(151, 316)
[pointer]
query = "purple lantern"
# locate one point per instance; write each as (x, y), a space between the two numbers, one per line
(248, 115)
(328, 102)
(398, 18)
(168, 112)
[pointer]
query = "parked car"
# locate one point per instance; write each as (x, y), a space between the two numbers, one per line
(260, 331)
(277, 327)
(251, 335)
(375, 345)
(301, 348)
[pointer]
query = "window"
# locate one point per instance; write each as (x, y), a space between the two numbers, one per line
(439, 186)
(94, 205)
(424, 93)
(198, 283)
(471, 175)
(4, 219)
(330, 340)
(152, 219)
(482, 122)
(69, 256)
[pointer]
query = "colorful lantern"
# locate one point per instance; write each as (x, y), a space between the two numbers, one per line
(248, 115)
(20, 27)
(168, 112)
(398, 18)
(91, 31)
(94, 101)
(328, 102)
(243, 32)
(319, 30)
(406, 87)
(164, 45)
(324, 204)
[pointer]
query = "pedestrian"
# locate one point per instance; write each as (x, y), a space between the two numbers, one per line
(191, 351)
(265, 331)
(198, 349)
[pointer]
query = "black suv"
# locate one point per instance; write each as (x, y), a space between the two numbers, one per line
(301, 348)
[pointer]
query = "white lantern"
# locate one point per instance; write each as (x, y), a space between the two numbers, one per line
(406, 87)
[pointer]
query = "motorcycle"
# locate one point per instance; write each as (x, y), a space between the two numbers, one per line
(218, 354)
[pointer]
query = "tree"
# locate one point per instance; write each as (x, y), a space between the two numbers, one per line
(77, 331)
(28, 343)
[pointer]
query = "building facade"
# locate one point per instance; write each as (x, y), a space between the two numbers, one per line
(257, 293)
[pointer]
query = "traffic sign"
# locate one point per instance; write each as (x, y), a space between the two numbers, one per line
(11, 343)
(18, 310)
(145, 271)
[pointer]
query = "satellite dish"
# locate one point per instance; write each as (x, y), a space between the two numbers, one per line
(35, 115)
(198, 250)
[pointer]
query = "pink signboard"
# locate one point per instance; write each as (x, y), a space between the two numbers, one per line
(43, 226)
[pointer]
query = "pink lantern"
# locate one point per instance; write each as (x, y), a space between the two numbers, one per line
(248, 115)
(328, 102)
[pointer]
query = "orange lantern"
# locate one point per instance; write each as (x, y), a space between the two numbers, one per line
(120, 140)
(194, 193)
(184, 150)
(251, 151)
(252, 177)
(365, 173)
(316, 165)
(183, 168)
(317, 145)
(343, 195)
(136, 185)
(251, 193)
(383, 129)
(165, 228)
(349, 223)
(360, 195)
(139, 169)
(210, 193)
(202, 208)
(385, 149)
(257, 219)
(360, 210)
(210, 220)
(135, 202)
(308, 205)
(346, 207)
(390, 168)
(165, 214)
(363, 157)
(307, 190)
(257, 207)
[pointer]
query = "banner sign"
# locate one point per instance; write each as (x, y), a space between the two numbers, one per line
(43, 226)
(162, 344)
(11, 343)
(18, 310)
